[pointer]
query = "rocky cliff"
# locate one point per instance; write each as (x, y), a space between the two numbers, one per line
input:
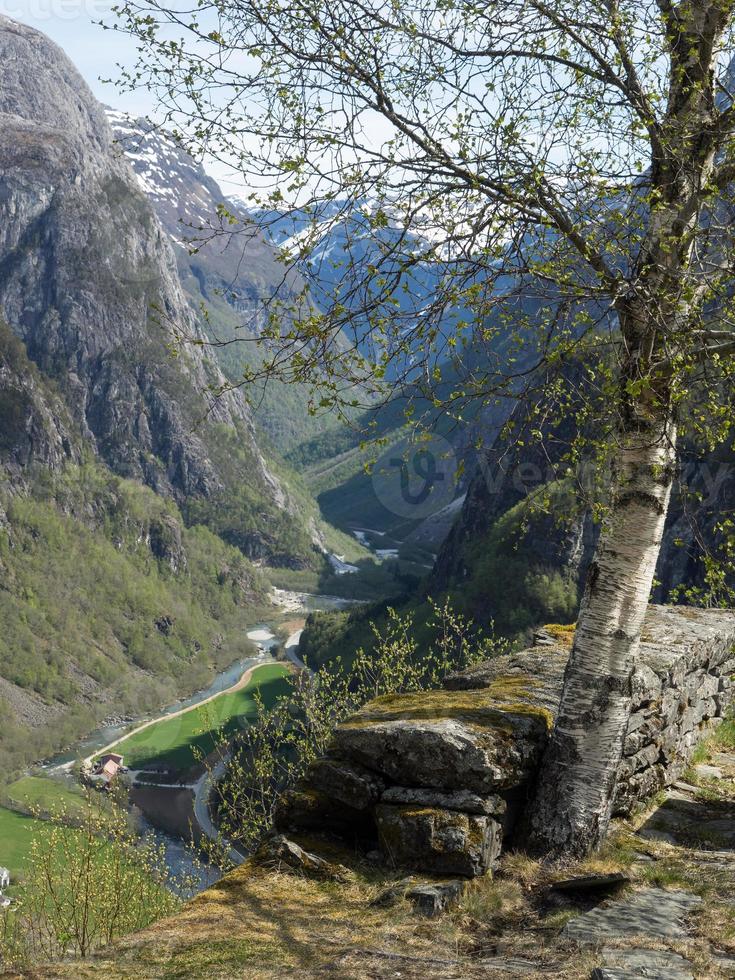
(116, 441)
(89, 283)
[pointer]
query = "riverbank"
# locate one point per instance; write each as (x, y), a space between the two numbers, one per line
(168, 739)
(144, 746)
(177, 742)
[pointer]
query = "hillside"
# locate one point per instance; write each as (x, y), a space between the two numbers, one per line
(372, 879)
(110, 604)
(134, 495)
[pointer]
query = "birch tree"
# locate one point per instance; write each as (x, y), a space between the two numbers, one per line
(565, 173)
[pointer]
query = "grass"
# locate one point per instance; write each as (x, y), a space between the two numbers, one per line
(16, 834)
(43, 793)
(724, 736)
(174, 743)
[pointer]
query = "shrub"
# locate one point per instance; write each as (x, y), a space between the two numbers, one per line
(90, 879)
(275, 750)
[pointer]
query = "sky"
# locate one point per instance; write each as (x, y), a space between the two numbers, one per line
(74, 26)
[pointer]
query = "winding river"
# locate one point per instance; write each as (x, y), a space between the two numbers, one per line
(178, 855)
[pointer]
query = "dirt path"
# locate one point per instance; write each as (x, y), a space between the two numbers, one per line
(238, 686)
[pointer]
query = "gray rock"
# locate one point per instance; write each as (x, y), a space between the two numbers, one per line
(446, 740)
(459, 800)
(535, 674)
(647, 685)
(438, 841)
(724, 963)
(346, 782)
(279, 852)
(708, 772)
(649, 912)
(683, 787)
(542, 638)
(688, 821)
(433, 899)
(636, 964)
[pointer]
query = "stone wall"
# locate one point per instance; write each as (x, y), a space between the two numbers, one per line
(436, 780)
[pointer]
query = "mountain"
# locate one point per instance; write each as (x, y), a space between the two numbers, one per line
(110, 604)
(523, 540)
(134, 496)
(333, 242)
(225, 265)
(232, 271)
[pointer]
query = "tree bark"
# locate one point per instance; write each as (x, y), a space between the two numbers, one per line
(574, 796)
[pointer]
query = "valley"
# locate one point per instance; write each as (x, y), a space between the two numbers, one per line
(367, 511)
(166, 753)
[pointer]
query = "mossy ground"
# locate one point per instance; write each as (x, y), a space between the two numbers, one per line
(562, 632)
(258, 924)
(487, 707)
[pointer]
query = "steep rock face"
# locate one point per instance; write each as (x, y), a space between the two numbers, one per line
(36, 427)
(89, 282)
(228, 260)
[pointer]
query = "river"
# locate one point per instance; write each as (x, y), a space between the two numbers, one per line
(263, 634)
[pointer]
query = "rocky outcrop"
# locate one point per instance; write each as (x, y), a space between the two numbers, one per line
(443, 841)
(478, 741)
(35, 429)
(89, 283)
(439, 777)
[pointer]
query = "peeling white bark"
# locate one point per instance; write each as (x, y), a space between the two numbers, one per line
(571, 811)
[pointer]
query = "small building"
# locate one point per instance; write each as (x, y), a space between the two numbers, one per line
(110, 769)
(104, 772)
(4, 878)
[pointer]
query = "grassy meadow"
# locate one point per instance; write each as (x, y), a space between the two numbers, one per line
(173, 743)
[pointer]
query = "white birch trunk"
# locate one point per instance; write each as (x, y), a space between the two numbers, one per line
(571, 810)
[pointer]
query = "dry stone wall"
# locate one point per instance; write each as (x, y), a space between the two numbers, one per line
(438, 779)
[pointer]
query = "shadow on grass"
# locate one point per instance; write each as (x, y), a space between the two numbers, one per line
(177, 743)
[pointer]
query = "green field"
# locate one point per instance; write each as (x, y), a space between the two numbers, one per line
(16, 834)
(173, 742)
(44, 793)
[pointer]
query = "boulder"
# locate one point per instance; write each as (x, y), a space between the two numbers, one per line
(438, 841)
(532, 676)
(447, 740)
(346, 782)
(279, 852)
(433, 899)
